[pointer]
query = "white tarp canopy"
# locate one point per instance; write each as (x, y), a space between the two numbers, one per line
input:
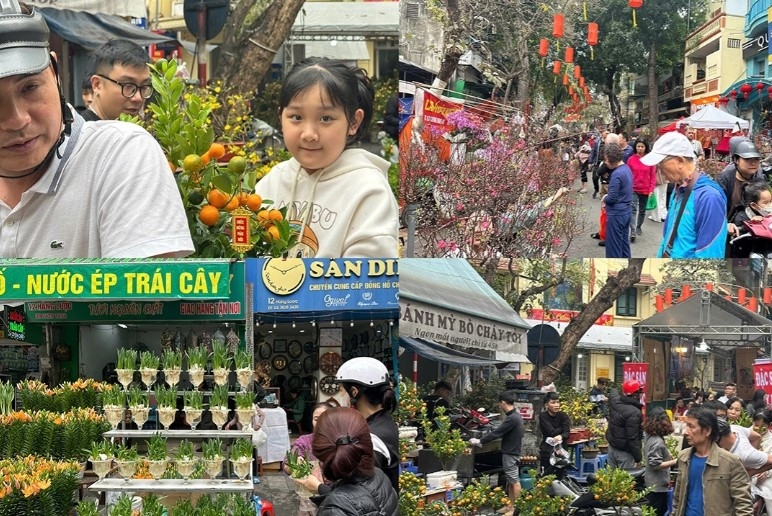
(125, 8)
(347, 20)
(710, 117)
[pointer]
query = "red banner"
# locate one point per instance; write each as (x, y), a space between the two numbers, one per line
(565, 316)
(637, 371)
(762, 376)
(436, 109)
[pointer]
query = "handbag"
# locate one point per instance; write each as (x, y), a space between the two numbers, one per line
(652, 203)
(259, 437)
(669, 246)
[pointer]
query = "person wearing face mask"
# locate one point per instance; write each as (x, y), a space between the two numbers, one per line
(757, 204)
(745, 168)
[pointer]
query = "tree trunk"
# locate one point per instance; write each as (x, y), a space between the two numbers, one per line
(253, 35)
(579, 325)
(651, 75)
(452, 51)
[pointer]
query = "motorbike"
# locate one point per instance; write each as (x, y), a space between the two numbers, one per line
(472, 423)
(583, 502)
(757, 234)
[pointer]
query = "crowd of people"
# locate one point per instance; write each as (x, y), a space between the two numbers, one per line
(703, 216)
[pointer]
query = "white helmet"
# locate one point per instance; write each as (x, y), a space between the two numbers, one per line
(363, 370)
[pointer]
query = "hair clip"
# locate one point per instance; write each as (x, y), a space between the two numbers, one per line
(346, 440)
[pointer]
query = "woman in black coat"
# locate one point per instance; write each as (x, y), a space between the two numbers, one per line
(552, 423)
(343, 445)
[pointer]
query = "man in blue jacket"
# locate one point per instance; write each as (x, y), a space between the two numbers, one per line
(700, 231)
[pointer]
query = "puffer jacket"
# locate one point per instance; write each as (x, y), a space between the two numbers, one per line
(361, 497)
(625, 432)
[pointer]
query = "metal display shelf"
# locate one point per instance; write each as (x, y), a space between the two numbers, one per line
(182, 434)
(191, 486)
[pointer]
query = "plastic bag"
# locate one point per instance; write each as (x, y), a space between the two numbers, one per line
(259, 437)
(652, 203)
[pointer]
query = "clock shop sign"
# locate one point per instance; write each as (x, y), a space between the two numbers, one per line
(313, 285)
(449, 327)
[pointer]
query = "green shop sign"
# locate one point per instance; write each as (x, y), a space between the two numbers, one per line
(104, 280)
(194, 310)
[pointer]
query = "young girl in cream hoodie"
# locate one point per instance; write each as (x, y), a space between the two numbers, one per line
(338, 196)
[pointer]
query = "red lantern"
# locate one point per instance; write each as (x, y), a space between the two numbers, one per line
(592, 34)
(569, 54)
(577, 72)
(733, 94)
(769, 92)
(746, 90)
(581, 82)
(571, 90)
(556, 67)
(544, 46)
(557, 26)
(760, 86)
(725, 100)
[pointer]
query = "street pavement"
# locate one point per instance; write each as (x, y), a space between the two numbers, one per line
(277, 487)
(583, 246)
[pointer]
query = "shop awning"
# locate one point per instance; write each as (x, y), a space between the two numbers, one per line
(447, 301)
(445, 355)
(127, 8)
(598, 337)
(345, 50)
(91, 31)
(345, 21)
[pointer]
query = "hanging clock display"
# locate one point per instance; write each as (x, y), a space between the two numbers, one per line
(295, 367)
(280, 362)
(295, 349)
(313, 385)
(310, 347)
(310, 364)
(330, 362)
(329, 385)
(264, 350)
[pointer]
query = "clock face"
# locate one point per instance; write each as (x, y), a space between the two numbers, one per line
(330, 362)
(280, 363)
(295, 349)
(310, 364)
(265, 350)
(329, 385)
(295, 367)
(284, 276)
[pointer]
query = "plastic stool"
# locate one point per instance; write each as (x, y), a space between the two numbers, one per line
(589, 466)
(603, 458)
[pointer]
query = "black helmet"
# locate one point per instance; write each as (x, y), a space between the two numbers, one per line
(23, 41)
(747, 150)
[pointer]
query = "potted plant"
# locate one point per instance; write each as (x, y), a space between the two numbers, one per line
(218, 405)
(241, 457)
(151, 506)
(138, 406)
(101, 456)
(166, 398)
(172, 362)
(447, 444)
(126, 460)
(197, 357)
(616, 487)
(185, 459)
(193, 407)
(299, 468)
(244, 408)
(88, 507)
(127, 362)
(113, 404)
(220, 363)
(212, 451)
(244, 372)
(124, 506)
(148, 368)
(156, 455)
(539, 500)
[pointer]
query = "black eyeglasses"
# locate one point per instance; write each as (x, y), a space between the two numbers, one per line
(129, 89)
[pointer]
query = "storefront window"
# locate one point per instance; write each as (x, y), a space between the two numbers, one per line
(627, 303)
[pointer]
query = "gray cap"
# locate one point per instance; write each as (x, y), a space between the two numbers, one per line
(23, 41)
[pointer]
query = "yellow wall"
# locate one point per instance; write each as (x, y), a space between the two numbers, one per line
(600, 361)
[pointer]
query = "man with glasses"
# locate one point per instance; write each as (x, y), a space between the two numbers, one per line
(695, 226)
(70, 189)
(120, 80)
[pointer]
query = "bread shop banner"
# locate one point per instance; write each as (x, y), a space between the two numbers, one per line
(106, 280)
(315, 285)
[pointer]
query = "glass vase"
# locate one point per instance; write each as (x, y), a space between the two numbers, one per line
(186, 467)
(196, 376)
(193, 416)
(166, 416)
(221, 376)
(157, 468)
(213, 467)
(139, 413)
(244, 377)
(126, 468)
(172, 377)
(219, 416)
(125, 377)
(148, 377)
(242, 467)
